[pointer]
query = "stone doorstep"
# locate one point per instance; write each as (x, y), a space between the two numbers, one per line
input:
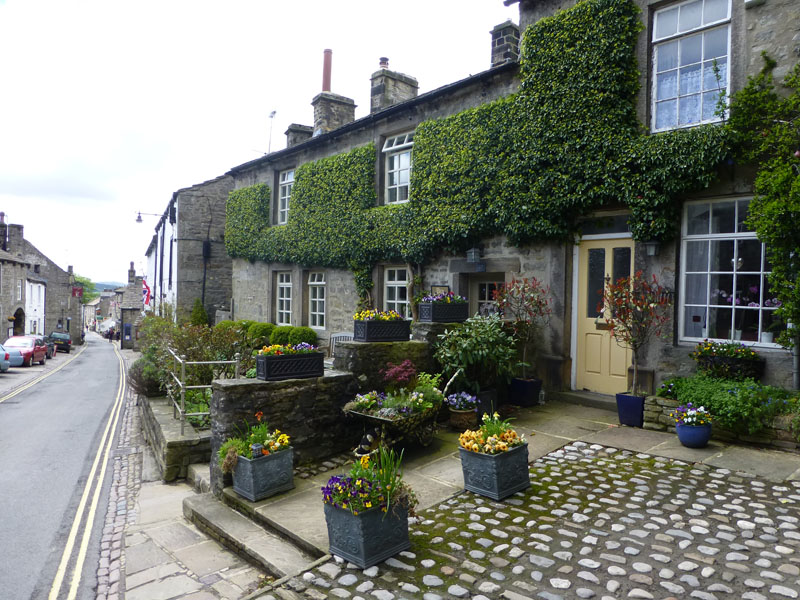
(272, 553)
(199, 477)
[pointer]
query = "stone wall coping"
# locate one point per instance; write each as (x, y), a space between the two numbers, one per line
(330, 376)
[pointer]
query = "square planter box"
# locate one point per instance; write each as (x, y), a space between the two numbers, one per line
(381, 331)
(367, 538)
(264, 476)
(436, 312)
(290, 366)
(496, 476)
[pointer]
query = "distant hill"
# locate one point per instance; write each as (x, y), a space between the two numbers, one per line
(100, 286)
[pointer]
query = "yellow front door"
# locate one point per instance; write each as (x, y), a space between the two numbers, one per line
(601, 364)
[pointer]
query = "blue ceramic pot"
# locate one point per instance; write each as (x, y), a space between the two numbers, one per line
(693, 436)
(630, 409)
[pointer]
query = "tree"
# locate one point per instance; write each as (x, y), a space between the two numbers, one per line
(199, 315)
(89, 292)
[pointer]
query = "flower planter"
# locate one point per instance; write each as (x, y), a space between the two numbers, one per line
(381, 331)
(290, 366)
(524, 392)
(630, 410)
(730, 367)
(463, 419)
(264, 476)
(496, 476)
(439, 312)
(367, 538)
(693, 436)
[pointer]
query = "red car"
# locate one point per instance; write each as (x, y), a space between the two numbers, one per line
(32, 348)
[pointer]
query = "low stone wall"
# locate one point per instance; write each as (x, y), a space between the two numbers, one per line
(365, 360)
(173, 452)
(780, 435)
(308, 410)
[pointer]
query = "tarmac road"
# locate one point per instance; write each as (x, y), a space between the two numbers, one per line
(52, 428)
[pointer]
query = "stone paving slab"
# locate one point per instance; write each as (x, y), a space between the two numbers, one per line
(770, 464)
(596, 522)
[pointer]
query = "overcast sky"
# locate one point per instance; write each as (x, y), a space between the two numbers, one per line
(108, 107)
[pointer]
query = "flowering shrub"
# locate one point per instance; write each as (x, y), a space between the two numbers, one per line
(377, 315)
(462, 401)
(493, 436)
(446, 298)
(279, 349)
(424, 396)
(667, 390)
(399, 376)
(727, 360)
(371, 484)
(242, 445)
(728, 349)
(691, 415)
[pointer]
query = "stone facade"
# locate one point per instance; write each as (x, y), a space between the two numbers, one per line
(13, 271)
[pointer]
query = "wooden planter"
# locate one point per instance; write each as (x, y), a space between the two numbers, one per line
(367, 538)
(259, 478)
(496, 476)
(290, 366)
(381, 331)
(438, 312)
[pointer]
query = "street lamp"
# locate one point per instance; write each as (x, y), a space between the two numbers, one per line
(271, 119)
(139, 216)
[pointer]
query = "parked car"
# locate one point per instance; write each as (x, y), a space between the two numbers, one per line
(5, 360)
(63, 341)
(33, 348)
(15, 357)
(51, 346)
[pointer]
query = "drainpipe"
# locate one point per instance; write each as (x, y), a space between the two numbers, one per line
(796, 363)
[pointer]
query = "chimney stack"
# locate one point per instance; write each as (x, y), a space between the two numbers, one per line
(131, 274)
(331, 111)
(297, 134)
(390, 87)
(505, 43)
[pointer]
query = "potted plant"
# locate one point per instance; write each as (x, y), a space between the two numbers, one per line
(693, 425)
(635, 310)
(367, 510)
(260, 460)
(463, 408)
(727, 360)
(380, 326)
(526, 303)
(494, 459)
(478, 357)
(286, 361)
(443, 308)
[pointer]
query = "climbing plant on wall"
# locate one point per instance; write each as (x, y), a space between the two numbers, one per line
(527, 166)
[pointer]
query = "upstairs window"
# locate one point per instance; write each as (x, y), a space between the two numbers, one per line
(285, 185)
(689, 39)
(398, 167)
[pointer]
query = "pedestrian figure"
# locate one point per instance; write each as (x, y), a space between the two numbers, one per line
(117, 335)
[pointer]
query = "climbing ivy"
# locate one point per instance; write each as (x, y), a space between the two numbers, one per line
(528, 166)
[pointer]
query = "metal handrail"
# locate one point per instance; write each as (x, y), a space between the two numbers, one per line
(179, 411)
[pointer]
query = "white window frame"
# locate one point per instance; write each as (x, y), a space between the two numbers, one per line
(285, 185)
(660, 41)
(739, 309)
(398, 176)
(283, 299)
(19, 290)
(316, 300)
(395, 290)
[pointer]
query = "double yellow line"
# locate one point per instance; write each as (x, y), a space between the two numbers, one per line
(33, 382)
(101, 460)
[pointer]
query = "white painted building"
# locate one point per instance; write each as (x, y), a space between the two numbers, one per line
(35, 297)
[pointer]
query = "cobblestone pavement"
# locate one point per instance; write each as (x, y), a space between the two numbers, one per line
(596, 523)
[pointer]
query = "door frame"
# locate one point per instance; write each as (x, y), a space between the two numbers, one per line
(575, 283)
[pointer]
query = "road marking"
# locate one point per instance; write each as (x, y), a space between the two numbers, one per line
(104, 449)
(41, 377)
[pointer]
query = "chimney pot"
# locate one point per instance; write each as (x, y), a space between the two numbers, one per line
(326, 70)
(383, 62)
(2, 217)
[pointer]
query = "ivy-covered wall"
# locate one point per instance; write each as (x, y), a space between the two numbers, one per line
(527, 166)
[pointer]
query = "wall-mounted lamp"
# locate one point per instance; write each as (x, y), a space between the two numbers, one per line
(139, 216)
(652, 247)
(474, 255)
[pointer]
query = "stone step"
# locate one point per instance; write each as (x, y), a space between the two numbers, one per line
(273, 553)
(199, 477)
(591, 399)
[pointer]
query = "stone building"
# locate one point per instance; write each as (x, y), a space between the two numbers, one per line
(13, 271)
(62, 311)
(186, 258)
(687, 53)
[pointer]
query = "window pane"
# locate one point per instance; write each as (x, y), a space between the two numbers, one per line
(715, 43)
(715, 10)
(747, 291)
(723, 217)
(690, 16)
(710, 81)
(595, 281)
(689, 110)
(748, 255)
(666, 114)
(694, 319)
(405, 160)
(666, 23)
(666, 85)
(690, 80)
(697, 215)
(721, 290)
(697, 256)
(691, 49)
(696, 289)
(393, 195)
(743, 211)
(402, 194)
(622, 263)
(667, 56)
(719, 323)
(710, 105)
(722, 255)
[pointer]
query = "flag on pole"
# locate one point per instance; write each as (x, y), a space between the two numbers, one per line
(145, 293)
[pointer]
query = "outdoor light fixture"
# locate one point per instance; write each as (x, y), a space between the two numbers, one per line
(651, 248)
(139, 216)
(474, 255)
